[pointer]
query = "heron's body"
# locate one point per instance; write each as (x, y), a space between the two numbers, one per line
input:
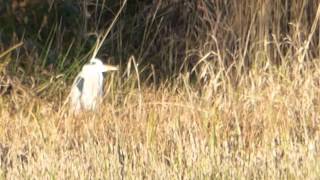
(87, 89)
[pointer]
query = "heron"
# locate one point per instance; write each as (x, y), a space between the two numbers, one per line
(87, 89)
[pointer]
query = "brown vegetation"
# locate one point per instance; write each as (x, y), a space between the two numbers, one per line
(208, 89)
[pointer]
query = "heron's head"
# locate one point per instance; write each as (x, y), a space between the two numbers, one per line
(102, 67)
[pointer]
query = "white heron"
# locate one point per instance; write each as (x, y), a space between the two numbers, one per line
(87, 89)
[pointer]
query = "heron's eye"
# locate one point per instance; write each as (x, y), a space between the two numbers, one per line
(93, 63)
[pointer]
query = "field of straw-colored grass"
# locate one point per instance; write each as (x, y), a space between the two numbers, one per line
(265, 127)
(223, 90)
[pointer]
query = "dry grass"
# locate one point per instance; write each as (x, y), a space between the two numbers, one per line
(266, 127)
(229, 90)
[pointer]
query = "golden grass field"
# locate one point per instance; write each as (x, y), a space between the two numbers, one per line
(228, 90)
(265, 128)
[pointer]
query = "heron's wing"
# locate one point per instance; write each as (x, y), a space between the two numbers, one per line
(76, 91)
(79, 83)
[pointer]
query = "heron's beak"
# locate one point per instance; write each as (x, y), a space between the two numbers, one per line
(110, 68)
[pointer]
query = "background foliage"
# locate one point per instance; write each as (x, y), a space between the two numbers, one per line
(166, 34)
